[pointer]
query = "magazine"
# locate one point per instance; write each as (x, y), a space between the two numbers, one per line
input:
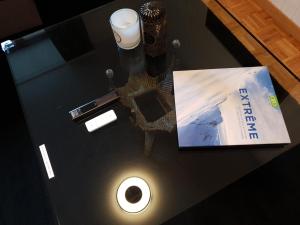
(234, 106)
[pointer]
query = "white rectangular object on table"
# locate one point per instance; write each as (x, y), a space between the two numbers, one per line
(101, 121)
(46, 161)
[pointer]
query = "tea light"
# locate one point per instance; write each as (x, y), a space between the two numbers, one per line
(126, 28)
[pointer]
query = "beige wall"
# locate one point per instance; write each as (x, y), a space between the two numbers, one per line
(291, 8)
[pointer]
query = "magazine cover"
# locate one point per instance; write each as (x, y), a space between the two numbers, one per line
(234, 106)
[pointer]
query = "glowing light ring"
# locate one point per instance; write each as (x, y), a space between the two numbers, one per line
(142, 203)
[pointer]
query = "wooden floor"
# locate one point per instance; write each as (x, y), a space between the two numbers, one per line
(257, 20)
(270, 45)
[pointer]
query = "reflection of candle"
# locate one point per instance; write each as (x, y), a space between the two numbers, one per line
(126, 28)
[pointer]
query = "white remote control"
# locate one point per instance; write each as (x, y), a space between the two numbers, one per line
(101, 120)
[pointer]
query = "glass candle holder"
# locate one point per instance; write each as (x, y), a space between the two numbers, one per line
(126, 28)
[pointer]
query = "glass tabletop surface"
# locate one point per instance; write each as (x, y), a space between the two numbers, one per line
(64, 66)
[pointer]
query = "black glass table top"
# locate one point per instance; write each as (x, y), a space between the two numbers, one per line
(64, 66)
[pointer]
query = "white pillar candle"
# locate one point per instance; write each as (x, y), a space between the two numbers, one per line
(126, 28)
